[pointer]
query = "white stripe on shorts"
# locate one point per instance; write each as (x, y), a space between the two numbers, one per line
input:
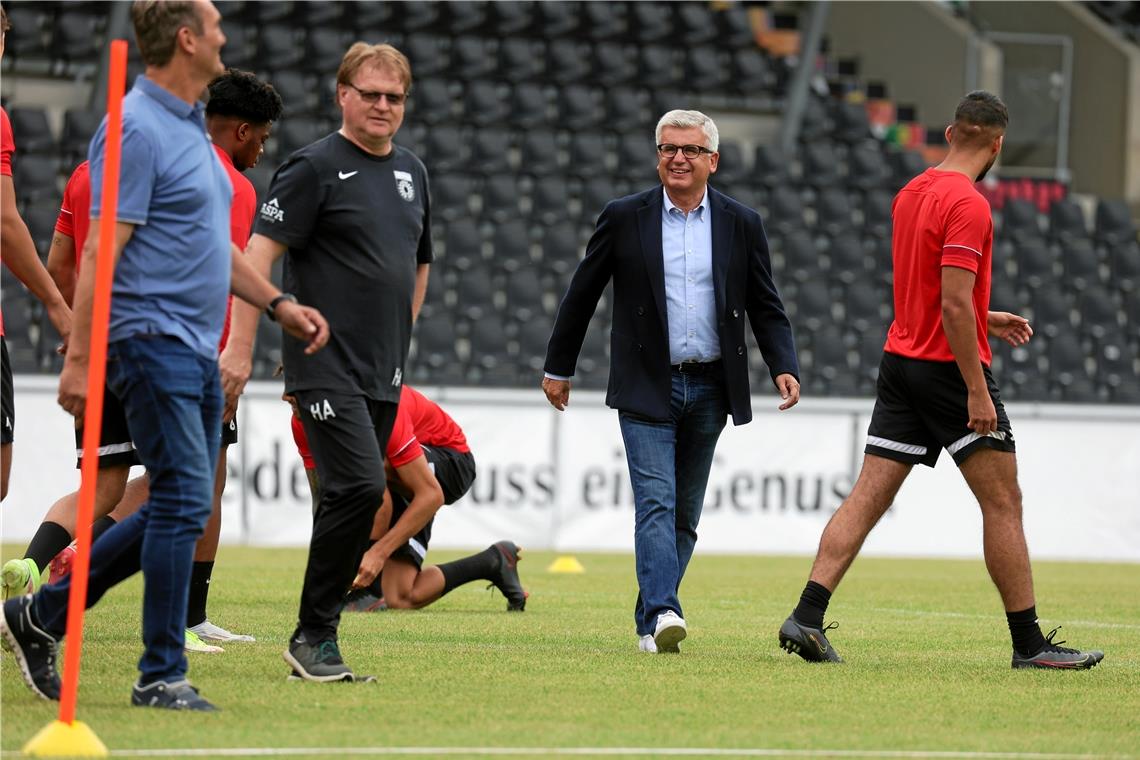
(111, 448)
(417, 547)
(905, 448)
(966, 440)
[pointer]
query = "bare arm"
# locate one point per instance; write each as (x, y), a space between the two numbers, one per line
(960, 326)
(73, 378)
(20, 256)
(61, 265)
(420, 291)
(427, 498)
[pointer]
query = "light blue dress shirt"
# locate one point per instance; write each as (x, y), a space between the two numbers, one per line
(686, 245)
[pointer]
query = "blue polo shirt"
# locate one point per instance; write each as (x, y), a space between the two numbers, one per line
(173, 277)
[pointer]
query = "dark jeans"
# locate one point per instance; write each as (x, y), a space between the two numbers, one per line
(347, 435)
(669, 464)
(173, 401)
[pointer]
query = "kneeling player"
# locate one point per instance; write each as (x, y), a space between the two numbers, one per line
(427, 464)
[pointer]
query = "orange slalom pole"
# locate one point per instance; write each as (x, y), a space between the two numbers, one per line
(96, 378)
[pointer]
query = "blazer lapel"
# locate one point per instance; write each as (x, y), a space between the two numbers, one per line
(723, 225)
(649, 226)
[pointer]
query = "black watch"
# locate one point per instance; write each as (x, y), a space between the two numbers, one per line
(272, 307)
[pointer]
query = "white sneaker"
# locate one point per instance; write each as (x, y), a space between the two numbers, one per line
(647, 644)
(207, 631)
(670, 631)
(195, 644)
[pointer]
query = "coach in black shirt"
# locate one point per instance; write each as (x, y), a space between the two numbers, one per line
(352, 212)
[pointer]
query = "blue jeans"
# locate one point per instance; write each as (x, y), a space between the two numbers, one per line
(669, 464)
(173, 401)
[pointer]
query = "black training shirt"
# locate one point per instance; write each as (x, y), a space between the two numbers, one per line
(356, 226)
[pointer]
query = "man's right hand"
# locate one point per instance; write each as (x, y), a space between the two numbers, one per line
(304, 323)
(557, 392)
(73, 387)
(235, 366)
(983, 415)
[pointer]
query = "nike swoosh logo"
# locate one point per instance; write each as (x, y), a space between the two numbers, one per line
(346, 175)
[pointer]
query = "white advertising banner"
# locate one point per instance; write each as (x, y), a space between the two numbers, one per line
(559, 481)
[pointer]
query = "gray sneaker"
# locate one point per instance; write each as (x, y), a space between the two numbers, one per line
(1056, 657)
(320, 662)
(809, 643)
(170, 695)
(35, 649)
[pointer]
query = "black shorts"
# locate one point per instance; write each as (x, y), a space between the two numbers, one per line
(921, 408)
(455, 472)
(7, 396)
(115, 446)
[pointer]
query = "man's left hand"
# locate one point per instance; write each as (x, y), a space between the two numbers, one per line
(789, 389)
(1011, 328)
(73, 387)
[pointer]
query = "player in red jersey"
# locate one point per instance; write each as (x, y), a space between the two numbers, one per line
(19, 254)
(935, 391)
(239, 117)
(427, 464)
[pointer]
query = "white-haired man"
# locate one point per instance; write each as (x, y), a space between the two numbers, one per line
(688, 263)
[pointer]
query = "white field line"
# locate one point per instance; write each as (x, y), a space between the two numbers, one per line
(972, 616)
(598, 752)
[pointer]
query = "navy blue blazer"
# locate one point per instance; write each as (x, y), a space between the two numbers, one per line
(626, 248)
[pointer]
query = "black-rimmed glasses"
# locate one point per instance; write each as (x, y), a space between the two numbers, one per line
(372, 98)
(668, 150)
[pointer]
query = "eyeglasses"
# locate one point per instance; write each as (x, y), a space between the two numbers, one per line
(668, 150)
(372, 98)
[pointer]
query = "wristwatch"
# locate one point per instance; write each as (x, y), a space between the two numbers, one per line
(272, 307)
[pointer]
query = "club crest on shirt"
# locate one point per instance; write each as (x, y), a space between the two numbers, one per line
(404, 185)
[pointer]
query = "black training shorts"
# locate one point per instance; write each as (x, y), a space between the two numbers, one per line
(115, 446)
(7, 396)
(921, 408)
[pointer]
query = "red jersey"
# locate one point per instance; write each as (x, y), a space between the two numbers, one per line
(419, 422)
(7, 144)
(75, 211)
(241, 220)
(940, 220)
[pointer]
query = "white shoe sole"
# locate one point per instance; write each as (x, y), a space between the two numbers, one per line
(300, 672)
(669, 637)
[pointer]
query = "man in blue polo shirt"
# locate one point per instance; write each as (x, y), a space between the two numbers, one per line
(175, 266)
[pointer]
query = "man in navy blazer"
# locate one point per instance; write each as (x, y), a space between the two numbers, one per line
(688, 263)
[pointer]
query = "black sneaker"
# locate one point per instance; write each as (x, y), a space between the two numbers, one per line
(506, 578)
(170, 695)
(1058, 657)
(320, 662)
(35, 648)
(809, 643)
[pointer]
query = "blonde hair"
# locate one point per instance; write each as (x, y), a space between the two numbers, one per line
(381, 56)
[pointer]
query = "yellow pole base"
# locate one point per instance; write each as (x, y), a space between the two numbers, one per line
(566, 565)
(59, 739)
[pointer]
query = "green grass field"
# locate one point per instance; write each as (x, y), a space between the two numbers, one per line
(927, 669)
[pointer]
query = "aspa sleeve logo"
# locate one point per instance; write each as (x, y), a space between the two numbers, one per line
(271, 212)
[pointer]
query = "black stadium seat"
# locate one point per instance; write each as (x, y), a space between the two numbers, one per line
(487, 102)
(31, 131)
(530, 106)
(580, 107)
(473, 57)
(568, 60)
(280, 45)
(78, 128)
(614, 64)
(521, 59)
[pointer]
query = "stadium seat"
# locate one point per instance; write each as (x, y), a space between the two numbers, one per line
(524, 294)
(280, 45)
(867, 306)
(40, 219)
(696, 19)
(625, 109)
(1114, 223)
(512, 246)
(568, 60)
(550, 199)
(730, 167)
(906, 165)
(636, 157)
(707, 67)
(562, 248)
(829, 352)
(475, 293)
(735, 28)
(491, 150)
(817, 122)
(846, 258)
(580, 107)
(430, 55)
(659, 67)
(489, 341)
(487, 103)
(770, 166)
(877, 213)
(785, 210)
(31, 131)
(324, 45)
(559, 18)
(1051, 310)
(435, 343)
(867, 167)
(604, 21)
(502, 198)
(295, 133)
(1004, 296)
(79, 125)
(473, 57)
(1019, 221)
(530, 106)
(522, 60)
(37, 179)
(533, 336)
(615, 63)
(451, 194)
(466, 17)
(820, 163)
(240, 51)
(595, 192)
(1081, 263)
(316, 15)
(540, 153)
(28, 37)
(1098, 311)
(851, 124)
(270, 13)
(299, 92)
(420, 15)
(813, 304)
(1115, 358)
(373, 15)
(590, 154)
(651, 21)
(833, 212)
(1124, 263)
(751, 72)
(745, 194)
(1067, 221)
(510, 17)
(435, 100)
(78, 38)
(444, 151)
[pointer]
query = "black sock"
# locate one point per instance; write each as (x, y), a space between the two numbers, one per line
(50, 539)
(199, 590)
(813, 605)
(1026, 633)
(481, 566)
(101, 526)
